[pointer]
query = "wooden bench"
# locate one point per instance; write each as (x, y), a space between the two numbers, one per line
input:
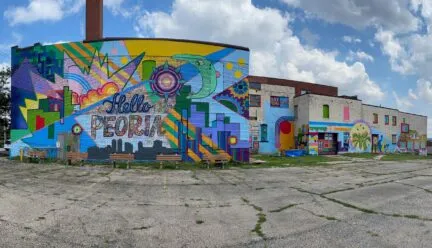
(215, 159)
(76, 156)
(168, 158)
(41, 155)
(121, 157)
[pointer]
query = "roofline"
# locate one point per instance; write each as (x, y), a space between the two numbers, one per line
(340, 97)
(413, 114)
(153, 39)
(376, 106)
(288, 80)
(171, 39)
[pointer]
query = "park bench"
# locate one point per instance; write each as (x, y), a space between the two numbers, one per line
(168, 158)
(76, 156)
(41, 155)
(121, 157)
(215, 159)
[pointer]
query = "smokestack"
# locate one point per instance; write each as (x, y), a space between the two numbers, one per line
(94, 20)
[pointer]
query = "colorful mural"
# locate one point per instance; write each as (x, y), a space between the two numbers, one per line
(360, 137)
(279, 128)
(142, 97)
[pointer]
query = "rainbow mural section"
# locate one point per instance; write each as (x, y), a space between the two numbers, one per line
(136, 96)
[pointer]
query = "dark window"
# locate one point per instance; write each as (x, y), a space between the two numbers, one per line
(264, 133)
(254, 100)
(326, 111)
(394, 139)
(386, 119)
(296, 112)
(255, 86)
(253, 118)
(394, 120)
(375, 118)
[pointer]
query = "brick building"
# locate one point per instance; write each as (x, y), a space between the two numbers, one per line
(287, 114)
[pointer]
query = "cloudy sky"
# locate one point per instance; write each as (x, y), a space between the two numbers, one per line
(379, 50)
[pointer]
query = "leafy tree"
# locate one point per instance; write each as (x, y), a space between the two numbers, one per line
(5, 100)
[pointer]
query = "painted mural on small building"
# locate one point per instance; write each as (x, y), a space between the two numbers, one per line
(360, 137)
(141, 97)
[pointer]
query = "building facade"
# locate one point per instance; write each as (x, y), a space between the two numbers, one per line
(137, 96)
(287, 114)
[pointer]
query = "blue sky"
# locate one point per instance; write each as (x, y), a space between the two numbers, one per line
(379, 50)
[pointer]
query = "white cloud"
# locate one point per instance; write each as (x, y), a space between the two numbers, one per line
(424, 90)
(55, 10)
(359, 56)
(36, 10)
(403, 103)
(309, 37)
(351, 39)
(412, 95)
(393, 15)
(278, 53)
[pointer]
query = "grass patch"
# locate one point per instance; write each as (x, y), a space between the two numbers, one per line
(360, 155)
(258, 228)
(279, 161)
(404, 157)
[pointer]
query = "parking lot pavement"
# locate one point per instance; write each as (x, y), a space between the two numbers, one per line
(353, 205)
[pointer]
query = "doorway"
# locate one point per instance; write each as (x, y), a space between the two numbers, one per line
(374, 143)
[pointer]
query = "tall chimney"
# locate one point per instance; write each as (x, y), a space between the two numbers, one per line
(94, 20)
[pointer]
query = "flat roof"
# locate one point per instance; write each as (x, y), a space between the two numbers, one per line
(282, 82)
(171, 39)
(341, 97)
(154, 39)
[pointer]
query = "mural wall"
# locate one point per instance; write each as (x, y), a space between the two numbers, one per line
(144, 97)
(360, 137)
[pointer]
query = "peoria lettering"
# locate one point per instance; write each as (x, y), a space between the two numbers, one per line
(130, 125)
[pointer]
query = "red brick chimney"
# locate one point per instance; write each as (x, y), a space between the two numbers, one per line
(94, 20)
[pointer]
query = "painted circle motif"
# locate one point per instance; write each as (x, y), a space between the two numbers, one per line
(77, 129)
(166, 81)
(233, 140)
(285, 127)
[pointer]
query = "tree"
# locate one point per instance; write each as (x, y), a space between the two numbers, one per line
(5, 100)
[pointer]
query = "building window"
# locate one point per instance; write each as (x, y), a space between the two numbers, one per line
(253, 118)
(254, 100)
(394, 120)
(303, 92)
(326, 111)
(403, 120)
(264, 133)
(296, 112)
(386, 119)
(394, 139)
(255, 86)
(279, 101)
(346, 113)
(375, 118)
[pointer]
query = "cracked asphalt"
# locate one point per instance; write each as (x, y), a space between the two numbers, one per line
(368, 204)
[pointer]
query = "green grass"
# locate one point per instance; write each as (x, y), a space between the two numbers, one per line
(388, 157)
(360, 155)
(277, 161)
(404, 156)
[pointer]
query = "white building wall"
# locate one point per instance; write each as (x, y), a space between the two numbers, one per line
(387, 130)
(336, 104)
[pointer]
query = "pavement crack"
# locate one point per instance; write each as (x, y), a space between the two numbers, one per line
(415, 186)
(283, 208)
(261, 218)
(364, 210)
(337, 190)
(331, 218)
